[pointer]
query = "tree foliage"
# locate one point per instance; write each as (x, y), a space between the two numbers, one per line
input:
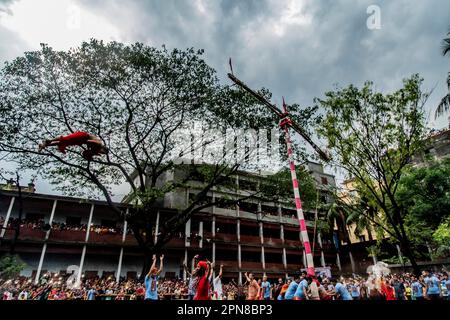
(373, 137)
(11, 266)
(136, 99)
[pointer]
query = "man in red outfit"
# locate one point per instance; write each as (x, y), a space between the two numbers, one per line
(202, 273)
(94, 145)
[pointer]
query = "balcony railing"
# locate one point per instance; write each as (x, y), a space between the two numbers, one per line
(250, 239)
(273, 241)
(26, 234)
(251, 265)
(67, 235)
(293, 243)
(226, 237)
(277, 267)
(99, 238)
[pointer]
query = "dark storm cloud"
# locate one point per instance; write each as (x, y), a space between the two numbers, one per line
(303, 60)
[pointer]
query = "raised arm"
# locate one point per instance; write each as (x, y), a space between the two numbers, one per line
(187, 270)
(161, 259)
(153, 265)
(247, 278)
(220, 271)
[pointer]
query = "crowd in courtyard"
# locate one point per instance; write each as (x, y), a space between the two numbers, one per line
(203, 284)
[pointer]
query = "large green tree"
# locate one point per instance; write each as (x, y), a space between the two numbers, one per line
(137, 99)
(444, 105)
(424, 192)
(373, 137)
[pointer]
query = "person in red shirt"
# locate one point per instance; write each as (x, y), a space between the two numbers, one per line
(94, 144)
(202, 274)
(387, 290)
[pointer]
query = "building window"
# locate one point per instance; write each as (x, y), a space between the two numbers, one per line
(324, 180)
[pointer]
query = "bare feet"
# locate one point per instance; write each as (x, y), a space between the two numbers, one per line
(42, 146)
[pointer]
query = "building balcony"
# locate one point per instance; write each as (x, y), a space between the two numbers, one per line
(276, 242)
(67, 236)
(227, 265)
(250, 266)
(293, 243)
(250, 239)
(26, 234)
(224, 237)
(274, 267)
(101, 239)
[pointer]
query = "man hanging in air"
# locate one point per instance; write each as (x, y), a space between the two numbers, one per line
(93, 143)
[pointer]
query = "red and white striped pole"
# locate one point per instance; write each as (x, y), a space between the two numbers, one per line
(284, 124)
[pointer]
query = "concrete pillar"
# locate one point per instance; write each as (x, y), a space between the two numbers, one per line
(352, 261)
(213, 225)
(119, 265)
(124, 235)
(322, 256)
(188, 233)
(8, 214)
(338, 262)
(44, 247)
(284, 258)
(91, 213)
(282, 233)
(400, 255)
(304, 258)
(238, 230)
(322, 259)
(430, 252)
(41, 261)
(239, 256)
(156, 227)
(240, 278)
(263, 258)
(200, 233)
(83, 253)
(186, 263)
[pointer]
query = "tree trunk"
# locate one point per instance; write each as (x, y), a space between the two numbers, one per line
(406, 249)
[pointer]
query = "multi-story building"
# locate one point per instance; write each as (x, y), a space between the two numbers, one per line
(255, 235)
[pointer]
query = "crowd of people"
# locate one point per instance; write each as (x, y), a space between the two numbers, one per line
(202, 284)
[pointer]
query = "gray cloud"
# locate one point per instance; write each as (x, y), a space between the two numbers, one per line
(301, 55)
(307, 59)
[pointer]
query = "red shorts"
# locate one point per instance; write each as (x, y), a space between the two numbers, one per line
(74, 139)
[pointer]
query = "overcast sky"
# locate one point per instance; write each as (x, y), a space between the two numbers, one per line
(295, 48)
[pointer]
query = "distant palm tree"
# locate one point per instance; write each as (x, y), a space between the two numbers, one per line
(444, 105)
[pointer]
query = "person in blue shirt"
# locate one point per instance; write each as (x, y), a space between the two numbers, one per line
(91, 294)
(341, 290)
(300, 293)
(354, 289)
(289, 295)
(417, 288)
(445, 287)
(151, 280)
(433, 286)
(265, 286)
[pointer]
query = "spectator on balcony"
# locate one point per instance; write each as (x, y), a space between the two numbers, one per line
(151, 279)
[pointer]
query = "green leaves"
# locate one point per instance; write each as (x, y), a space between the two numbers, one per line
(11, 266)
